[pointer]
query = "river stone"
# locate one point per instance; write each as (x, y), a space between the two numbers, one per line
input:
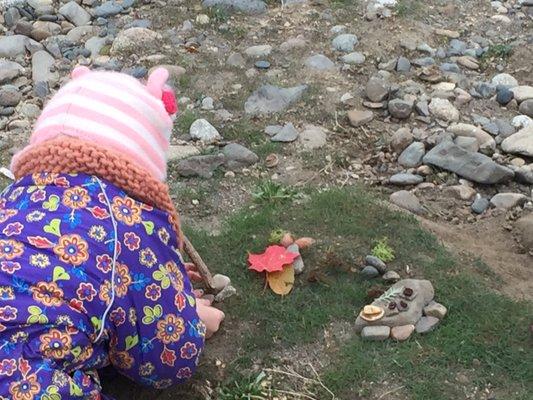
(485, 140)
(13, 46)
(319, 62)
(345, 42)
(95, 45)
(375, 333)
(272, 99)
(369, 272)
(353, 58)
(524, 174)
(42, 63)
(75, 13)
(473, 166)
(245, 6)
(526, 107)
(504, 80)
(360, 117)
(402, 138)
(202, 166)
(286, 134)
(238, 157)
(402, 333)
(506, 201)
(426, 324)
(258, 51)
(406, 200)
(520, 143)
(179, 152)
(403, 64)
(424, 295)
(377, 89)
(434, 309)
(10, 96)
(136, 40)
(467, 143)
(9, 70)
(202, 130)
(376, 262)
(400, 109)
(461, 192)
(412, 156)
(220, 282)
(524, 226)
(443, 109)
(405, 179)
(522, 93)
(504, 96)
(108, 9)
(391, 277)
(312, 137)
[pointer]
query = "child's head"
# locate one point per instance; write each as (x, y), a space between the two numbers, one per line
(115, 111)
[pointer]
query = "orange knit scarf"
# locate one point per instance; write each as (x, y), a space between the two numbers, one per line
(70, 155)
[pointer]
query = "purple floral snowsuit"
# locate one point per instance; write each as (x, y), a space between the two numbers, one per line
(62, 318)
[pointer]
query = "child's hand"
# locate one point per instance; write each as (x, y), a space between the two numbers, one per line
(210, 316)
(192, 272)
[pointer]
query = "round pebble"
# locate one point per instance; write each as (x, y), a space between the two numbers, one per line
(262, 64)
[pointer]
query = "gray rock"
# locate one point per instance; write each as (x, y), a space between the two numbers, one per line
(406, 200)
(524, 174)
(345, 42)
(41, 67)
(9, 70)
(520, 143)
(524, 226)
(10, 96)
(434, 309)
(238, 157)
(235, 60)
(13, 46)
(426, 324)
(286, 134)
(504, 96)
(443, 109)
(505, 128)
(319, 62)
(456, 47)
(95, 45)
(353, 58)
(298, 263)
(506, 201)
(11, 16)
(450, 67)
(41, 89)
(402, 333)
(202, 130)
(312, 137)
(467, 143)
(225, 294)
(258, 51)
(400, 109)
(245, 6)
(480, 204)
(272, 99)
(412, 156)
(75, 13)
(208, 103)
(486, 141)
(504, 80)
(273, 130)
(108, 9)
(405, 179)
(262, 64)
(403, 64)
(424, 61)
(180, 152)
(360, 117)
(473, 166)
(201, 166)
(526, 107)
(492, 128)
(136, 40)
(369, 272)
(377, 89)
(522, 93)
(220, 282)
(391, 276)
(375, 333)
(376, 262)
(402, 138)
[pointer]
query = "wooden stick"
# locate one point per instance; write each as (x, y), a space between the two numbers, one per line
(197, 260)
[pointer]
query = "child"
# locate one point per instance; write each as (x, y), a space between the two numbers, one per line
(90, 266)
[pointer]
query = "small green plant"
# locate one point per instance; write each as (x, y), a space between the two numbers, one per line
(272, 192)
(383, 251)
(184, 121)
(247, 389)
(218, 14)
(408, 8)
(499, 51)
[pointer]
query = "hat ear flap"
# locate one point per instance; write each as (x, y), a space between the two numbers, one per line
(156, 82)
(79, 71)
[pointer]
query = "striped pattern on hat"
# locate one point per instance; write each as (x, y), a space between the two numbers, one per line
(115, 111)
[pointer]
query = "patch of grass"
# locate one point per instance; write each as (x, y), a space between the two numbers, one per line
(484, 333)
(245, 389)
(499, 51)
(269, 192)
(266, 148)
(184, 121)
(244, 132)
(218, 14)
(408, 8)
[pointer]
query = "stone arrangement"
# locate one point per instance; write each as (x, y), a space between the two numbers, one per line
(406, 307)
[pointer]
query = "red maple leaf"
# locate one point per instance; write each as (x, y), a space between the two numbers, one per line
(273, 259)
(168, 357)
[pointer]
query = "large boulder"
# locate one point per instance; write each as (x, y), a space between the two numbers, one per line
(473, 166)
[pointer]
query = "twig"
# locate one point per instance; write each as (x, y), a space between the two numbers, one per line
(390, 392)
(197, 260)
(295, 394)
(337, 123)
(321, 383)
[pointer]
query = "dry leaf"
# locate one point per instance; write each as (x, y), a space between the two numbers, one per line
(271, 160)
(281, 282)
(304, 242)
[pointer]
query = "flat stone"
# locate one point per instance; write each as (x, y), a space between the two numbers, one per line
(405, 179)
(377, 90)
(42, 63)
(202, 130)
(345, 42)
(376, 333)
(9, 70)
(220, 282)
(520, 143)
(180, 152)
(407, 201)
(201, 166)
(360, 117)
(436, 310)
(262, 64)
(504, 80)
(522, 93)
(375, 262)
(245, 6)
(258, 51)
(402, 333)
(391, 276)
(467, 143)
(9, 96)
(472, 166)
(136, 40)
(443, 110)
(426, 324)
(287, 134)
(526, 108)
(312, 137)
(273, 130)
(13, 46)
(506, 201)
(486, 141)
(272, 99)
(369, 272)
(238, 157)
(524, 227)
(412, 156)
(108, 9)
(480, 205)
(353, 58)
(400, 109)
(76, 14)
(403, 64)
(319, 62)
(402, 138)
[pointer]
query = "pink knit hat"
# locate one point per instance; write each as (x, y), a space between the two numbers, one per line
(113, 110)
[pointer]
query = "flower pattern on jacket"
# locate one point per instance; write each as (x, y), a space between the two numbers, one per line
(57, 245)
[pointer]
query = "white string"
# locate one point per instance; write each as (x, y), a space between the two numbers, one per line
(115, 235)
